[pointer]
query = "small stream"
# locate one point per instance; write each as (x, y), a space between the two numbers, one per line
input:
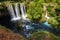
(27, 26)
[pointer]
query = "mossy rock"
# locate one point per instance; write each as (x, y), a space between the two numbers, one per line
(3, 27)
(7, 34)
(43, 35)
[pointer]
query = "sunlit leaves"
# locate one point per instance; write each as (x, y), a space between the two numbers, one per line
(47, 1)
(54, 1)
(58, 7)
(41, 1)
(58, 1)
(49, 8)
(53, 14)
(34, 10)
(53, 22)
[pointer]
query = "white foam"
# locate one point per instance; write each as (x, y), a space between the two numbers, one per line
(15, 19)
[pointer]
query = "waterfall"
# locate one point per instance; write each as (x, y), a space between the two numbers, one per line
(14, 16)
(11, 11)
(17, 11)
(23, 11)
(46, 16)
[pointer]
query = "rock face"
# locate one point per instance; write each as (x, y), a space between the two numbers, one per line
(6, 35)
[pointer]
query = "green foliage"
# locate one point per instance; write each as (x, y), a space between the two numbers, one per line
(1, 5)
(41, 1)
(7, 2)
(43, 35)
(58, 18)
(54, 1)
(34, 10)
(3, 27)
(58, 1)
(47, 1)
(53, 22)
(58, 7)
(53, 14)
(49, 8)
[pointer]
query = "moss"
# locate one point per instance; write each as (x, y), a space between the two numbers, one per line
(3, 27)
(43, 35)
(9, 35)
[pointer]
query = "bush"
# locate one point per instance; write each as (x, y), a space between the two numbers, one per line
(43, 35)
(34, 11)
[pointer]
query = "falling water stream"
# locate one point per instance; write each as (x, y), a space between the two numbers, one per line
(14, 16)
(29, 27)
(11, 12)
(25, 21)
(46, 16)
(47, 20)
(17, 11)
(22, 6)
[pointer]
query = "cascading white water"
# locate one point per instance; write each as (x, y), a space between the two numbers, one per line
(13, 17)
(46, 15)
(25, 20)
(23, 11)
(17, 11)
(28, 26)
(12, 13)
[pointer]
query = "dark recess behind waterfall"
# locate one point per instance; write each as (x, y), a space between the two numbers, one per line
(5, 20)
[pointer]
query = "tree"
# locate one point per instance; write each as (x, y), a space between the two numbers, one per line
(34, 10)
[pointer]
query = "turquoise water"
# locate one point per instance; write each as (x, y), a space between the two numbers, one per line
(46, 23)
